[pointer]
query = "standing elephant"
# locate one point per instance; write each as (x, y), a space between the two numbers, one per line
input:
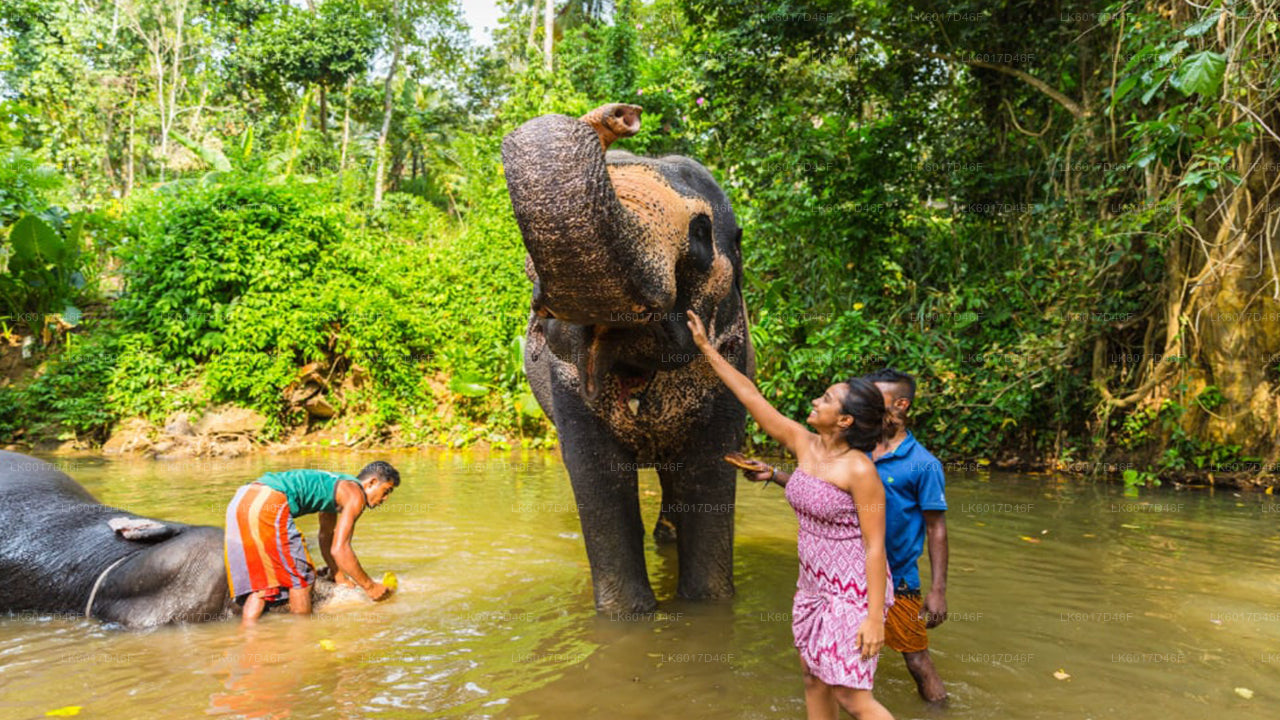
(620, 248)
(61, 551)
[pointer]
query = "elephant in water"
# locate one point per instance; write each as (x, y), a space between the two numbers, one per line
(61, 551)
(621, 247)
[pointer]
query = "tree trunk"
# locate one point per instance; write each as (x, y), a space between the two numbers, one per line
(297, 132)
(1232, 310)
(548, 28)
(128, 172)
(533, 21)
(387, 106)
(176, 80)
(324, 111)
(194, 125)
(346, 132)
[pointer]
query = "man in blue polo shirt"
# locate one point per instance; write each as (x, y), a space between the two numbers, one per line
(915, 511)
(915, 507)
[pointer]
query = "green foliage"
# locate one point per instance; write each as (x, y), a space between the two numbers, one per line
(251, 281)
(72, 393)
(196, 252)
(294, 45)
(1139, 478)
(25, 185)
(44, 264)
(902, 204)
(601, 60)
(142, 383)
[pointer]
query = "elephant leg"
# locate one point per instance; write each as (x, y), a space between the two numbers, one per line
(603, 475)
(664, 530)
(702, 507)
(703, 487)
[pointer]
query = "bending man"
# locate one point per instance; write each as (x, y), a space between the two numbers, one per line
(266, 555)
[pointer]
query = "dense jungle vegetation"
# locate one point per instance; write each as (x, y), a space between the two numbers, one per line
(1061, 216)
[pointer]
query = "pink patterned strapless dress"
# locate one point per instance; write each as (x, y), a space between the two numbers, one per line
(831, 594)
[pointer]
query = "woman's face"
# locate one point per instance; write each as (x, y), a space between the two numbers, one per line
(827, 410)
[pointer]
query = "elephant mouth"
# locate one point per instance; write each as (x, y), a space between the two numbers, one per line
(632, 355)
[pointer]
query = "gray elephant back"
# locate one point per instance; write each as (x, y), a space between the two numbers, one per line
(55, 540)
(22, 475)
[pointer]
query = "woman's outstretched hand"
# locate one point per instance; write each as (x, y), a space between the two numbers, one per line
(752, 469)
(699, 332)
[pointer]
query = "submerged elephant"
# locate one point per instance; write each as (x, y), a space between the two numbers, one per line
(61, 551)
(620, 248)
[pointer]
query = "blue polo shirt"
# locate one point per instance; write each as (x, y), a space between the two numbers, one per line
(913, 483)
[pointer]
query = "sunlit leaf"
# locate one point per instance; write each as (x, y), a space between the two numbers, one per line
(1124, 87)
(1201, 73)
(33, 240)
(468, 386)
(213, 158)
(528, 405)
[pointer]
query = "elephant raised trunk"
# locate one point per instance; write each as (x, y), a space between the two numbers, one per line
(593, 258)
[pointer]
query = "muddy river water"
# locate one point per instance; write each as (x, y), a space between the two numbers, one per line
(1156, 607)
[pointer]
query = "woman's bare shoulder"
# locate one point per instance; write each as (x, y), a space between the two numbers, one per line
(854, 468)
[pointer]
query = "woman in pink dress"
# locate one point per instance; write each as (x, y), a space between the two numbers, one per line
(843, 593)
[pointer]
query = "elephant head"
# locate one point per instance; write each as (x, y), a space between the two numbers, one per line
(620, 246)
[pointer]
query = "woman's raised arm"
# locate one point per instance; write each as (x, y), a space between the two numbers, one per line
(786, 431)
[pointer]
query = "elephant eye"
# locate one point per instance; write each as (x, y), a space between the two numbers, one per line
(700, 251)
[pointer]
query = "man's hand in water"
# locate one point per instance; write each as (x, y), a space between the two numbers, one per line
(934, 611)
(378, 592)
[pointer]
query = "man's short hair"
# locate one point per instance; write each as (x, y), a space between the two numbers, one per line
(382, 471)
(893, 376)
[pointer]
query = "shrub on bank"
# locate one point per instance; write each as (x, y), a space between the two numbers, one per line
(245, 291)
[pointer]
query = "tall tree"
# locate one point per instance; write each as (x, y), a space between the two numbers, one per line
(396, 33)
(161, 25)
(548, 33)
(418, 33)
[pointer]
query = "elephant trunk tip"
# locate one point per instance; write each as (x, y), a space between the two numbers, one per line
(613, 121)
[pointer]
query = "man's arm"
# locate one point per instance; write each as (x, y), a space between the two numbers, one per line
(327, 522)
(351, 503)
(935, 604)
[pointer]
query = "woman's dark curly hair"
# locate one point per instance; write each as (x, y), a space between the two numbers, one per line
(865, 403)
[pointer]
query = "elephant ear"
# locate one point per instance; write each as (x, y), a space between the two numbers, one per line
(141, 529)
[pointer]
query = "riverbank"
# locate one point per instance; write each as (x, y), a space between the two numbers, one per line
(230, 432)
